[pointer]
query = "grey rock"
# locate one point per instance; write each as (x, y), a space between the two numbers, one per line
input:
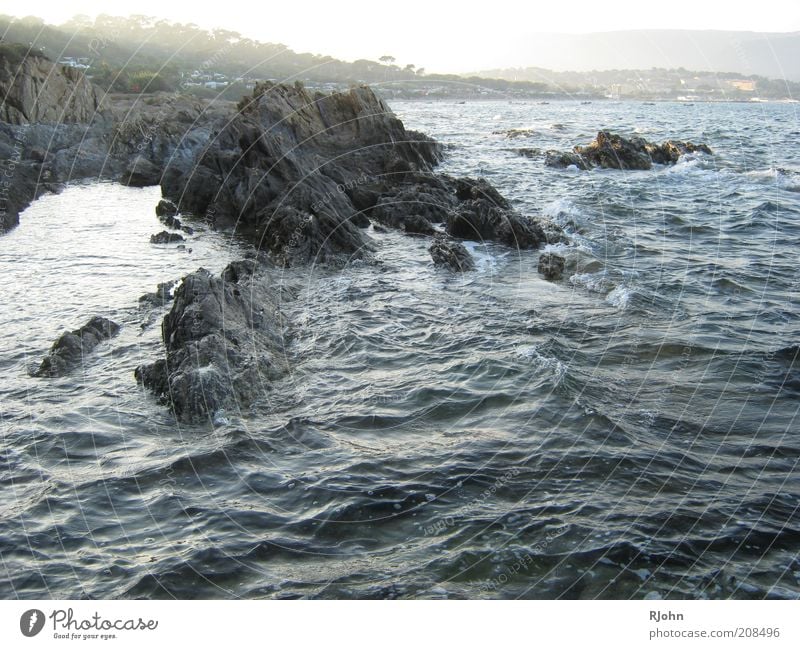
(72, 347)
(224, 340)
(34, 89)
(165, 237)
(141, 173)
(612, 151)
(451, 254)
(551, 266)
(166, 208)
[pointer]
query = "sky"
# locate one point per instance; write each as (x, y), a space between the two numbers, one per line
(441, 36)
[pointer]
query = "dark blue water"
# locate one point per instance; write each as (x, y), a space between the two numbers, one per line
(627, 432)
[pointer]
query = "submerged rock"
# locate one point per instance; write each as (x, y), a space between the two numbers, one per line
(551, 266)
(164, 237)
(611, 151)
(453, 254)
(72, 347)
(224, 343)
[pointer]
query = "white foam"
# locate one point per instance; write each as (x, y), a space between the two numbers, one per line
(532, 353)
(620, 297)
(787, 179)
(598, 282)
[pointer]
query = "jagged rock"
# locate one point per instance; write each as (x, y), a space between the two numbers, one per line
(562, 160)
(282, 168)
(396, 206)
(34, 89)
(224, 343)
(612, 151)
(72, 347)
(471, 189)
(452, 254)
(482, 220)
(551, 266)
(166, 237)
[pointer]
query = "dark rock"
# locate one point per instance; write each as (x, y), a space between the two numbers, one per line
(72, 347)
(471, 189)
(166, 208)
(141, 173)
(482, 220)
(166, 237)
(224, 344)
(561, 160)
(551, 266)
(528, 152)
(430, 203)
(417, 224)
(611, 151)
(360, 219)
(294, 171)
(452, 254)
(162, 296)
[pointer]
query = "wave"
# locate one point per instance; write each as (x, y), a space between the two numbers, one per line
(787, 179)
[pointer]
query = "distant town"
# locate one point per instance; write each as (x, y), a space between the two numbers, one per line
(140, 55)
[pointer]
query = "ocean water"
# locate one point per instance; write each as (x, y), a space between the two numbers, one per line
(628, 432)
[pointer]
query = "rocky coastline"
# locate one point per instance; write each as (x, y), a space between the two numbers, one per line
(306, 177)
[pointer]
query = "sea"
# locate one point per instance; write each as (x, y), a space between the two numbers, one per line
(627, 432)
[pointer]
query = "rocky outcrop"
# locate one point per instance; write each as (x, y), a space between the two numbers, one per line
(53, 130)
(611, 151)
(282, 169)
(69, 351)
(34, 89)
(551, 266)
(224, 343)
(451, 254)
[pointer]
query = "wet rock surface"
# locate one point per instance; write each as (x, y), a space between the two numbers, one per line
(451, 254)
(71, 348)
(224, 342)
(551, 266)
(612, 151)
(165, 237)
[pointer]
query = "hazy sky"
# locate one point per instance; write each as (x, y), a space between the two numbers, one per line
(441, 36)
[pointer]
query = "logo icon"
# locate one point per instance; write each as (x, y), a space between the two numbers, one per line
(31, 622)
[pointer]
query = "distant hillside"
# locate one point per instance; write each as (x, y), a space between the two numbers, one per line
(142, 54)
(776, 56)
